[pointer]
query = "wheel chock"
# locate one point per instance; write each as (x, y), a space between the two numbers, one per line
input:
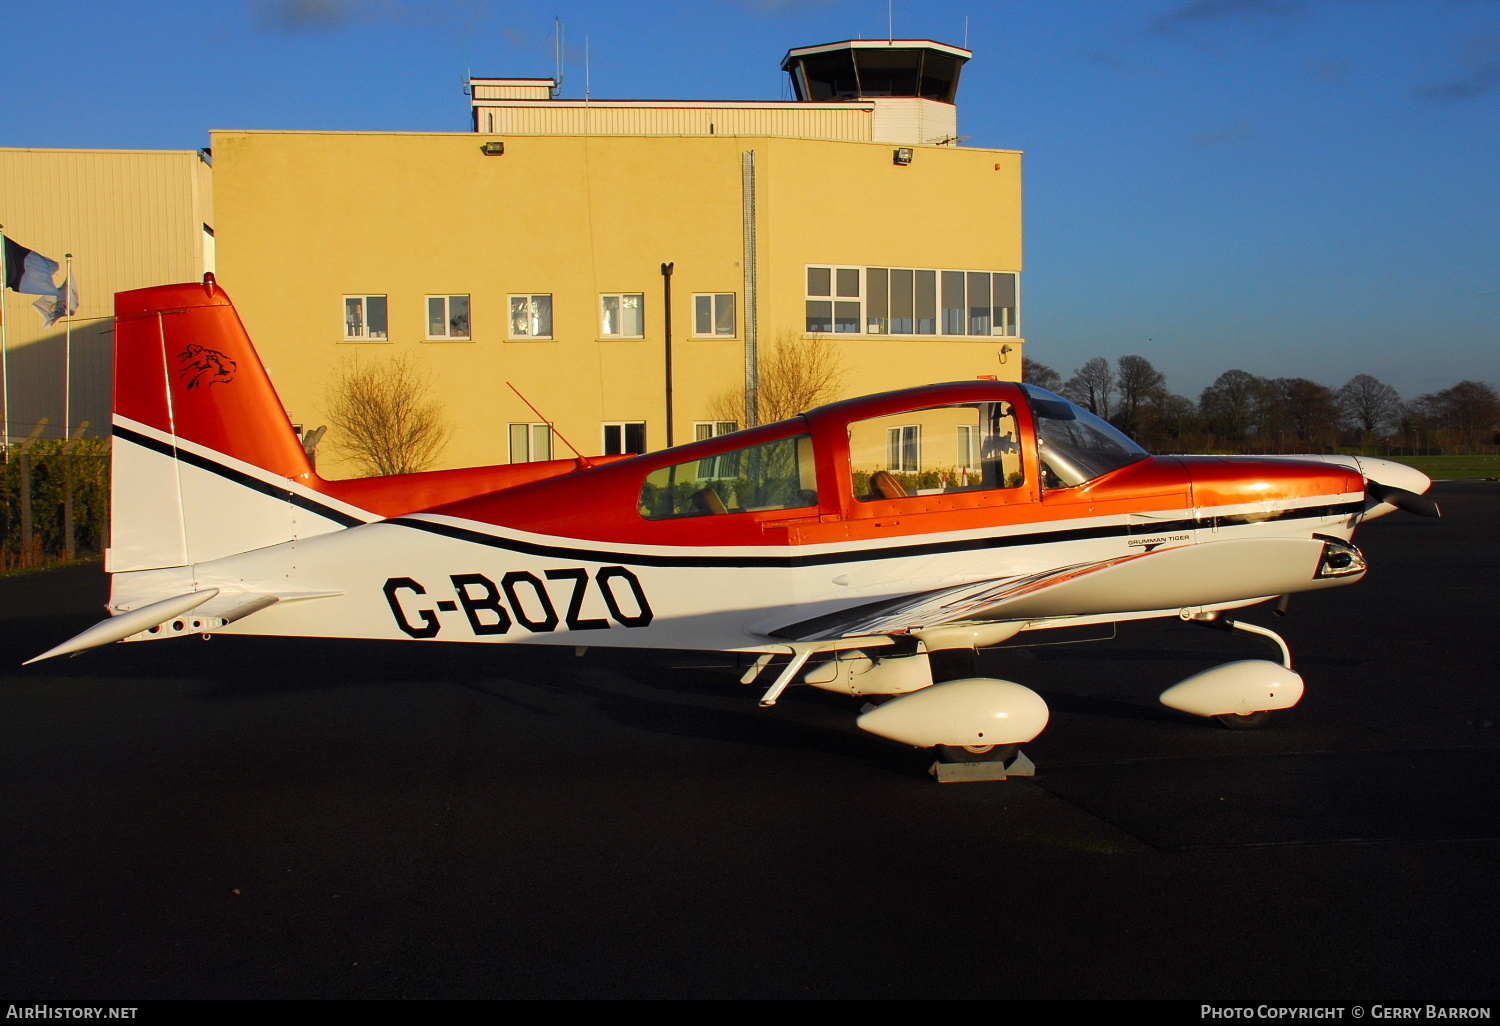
(962, 772)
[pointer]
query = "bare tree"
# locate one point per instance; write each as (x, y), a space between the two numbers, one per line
(1092, 385)
(1176, 427)
(1142, 388)
(1271, 419)
(384, 417)
(1037, 373)
(796, 374)
(1368, 404)
(1229, 405)
(1469, 412)
(1311, 411)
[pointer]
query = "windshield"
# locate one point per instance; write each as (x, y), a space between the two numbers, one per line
(1074, 445)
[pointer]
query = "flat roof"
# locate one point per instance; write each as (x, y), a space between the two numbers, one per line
(876, 44)
(88, 149)
(866, 103)
(632, 135)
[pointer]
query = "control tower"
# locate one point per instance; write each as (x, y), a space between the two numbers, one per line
(912, 83)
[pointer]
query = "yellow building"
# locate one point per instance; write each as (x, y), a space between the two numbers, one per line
(130, 219)
(537, 255)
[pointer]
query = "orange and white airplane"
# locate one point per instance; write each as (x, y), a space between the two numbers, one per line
(867, 547)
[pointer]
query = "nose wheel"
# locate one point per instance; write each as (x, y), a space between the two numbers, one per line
(975, 753)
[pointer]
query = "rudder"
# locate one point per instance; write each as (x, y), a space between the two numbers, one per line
(205, 460)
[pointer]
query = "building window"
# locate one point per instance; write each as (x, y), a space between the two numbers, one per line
(530, 443)
(912, 301)
(623, 315)
(833, 295)
(622, 437)
(448, 317)
(705, 429)
(968, 454)
(531, 316)
(903, 448)
(713, 315)
(364, 318)
(715, 466)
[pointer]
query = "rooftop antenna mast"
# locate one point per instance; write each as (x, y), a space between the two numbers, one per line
(559, 56)
(587, 81)
(890, 21)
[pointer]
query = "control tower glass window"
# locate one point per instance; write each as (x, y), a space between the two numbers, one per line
(939, 76)
(867, 69)
(830, 76)
(888, 72)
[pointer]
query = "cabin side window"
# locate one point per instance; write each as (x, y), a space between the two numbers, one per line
(935, 451)
(773, 475)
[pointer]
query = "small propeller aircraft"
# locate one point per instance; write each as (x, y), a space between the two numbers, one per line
(867, 547)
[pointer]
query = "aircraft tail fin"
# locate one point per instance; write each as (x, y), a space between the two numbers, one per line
(205, 460)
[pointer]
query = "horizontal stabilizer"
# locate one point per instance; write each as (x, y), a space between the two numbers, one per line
(117, 628)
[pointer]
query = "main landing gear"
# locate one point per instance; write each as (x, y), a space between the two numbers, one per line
(933, 698)
(931, 695)
(1239, 695)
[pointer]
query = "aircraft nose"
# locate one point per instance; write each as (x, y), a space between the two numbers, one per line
(1395, 486)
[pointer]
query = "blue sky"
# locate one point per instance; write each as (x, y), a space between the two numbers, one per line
(1293, 187)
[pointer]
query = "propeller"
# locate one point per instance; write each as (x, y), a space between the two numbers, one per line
(1412, 502)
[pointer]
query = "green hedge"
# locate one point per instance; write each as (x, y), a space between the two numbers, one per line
(89, 462)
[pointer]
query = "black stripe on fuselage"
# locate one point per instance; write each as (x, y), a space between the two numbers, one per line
(788, 560)
(238, 477)
(860, 555)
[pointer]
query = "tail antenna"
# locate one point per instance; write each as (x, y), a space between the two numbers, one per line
(581, 457)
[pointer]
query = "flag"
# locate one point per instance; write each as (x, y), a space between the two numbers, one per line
(28, 271)
(64, 304)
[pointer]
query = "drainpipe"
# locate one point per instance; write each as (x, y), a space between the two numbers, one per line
(666, 287)
(752, 296)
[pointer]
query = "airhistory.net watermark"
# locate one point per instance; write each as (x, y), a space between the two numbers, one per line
(68, 1012)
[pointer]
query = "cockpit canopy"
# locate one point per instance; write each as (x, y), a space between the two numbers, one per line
(963, 437)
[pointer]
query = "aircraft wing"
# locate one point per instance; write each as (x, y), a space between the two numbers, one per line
(1174, 578)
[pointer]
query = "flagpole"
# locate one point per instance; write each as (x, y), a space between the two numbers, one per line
(68, 350)
(4, 349)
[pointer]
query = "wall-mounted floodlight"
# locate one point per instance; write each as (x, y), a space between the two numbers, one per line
(493, 149)
(903, 155)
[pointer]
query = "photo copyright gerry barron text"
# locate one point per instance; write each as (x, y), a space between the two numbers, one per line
(1343, 1012)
